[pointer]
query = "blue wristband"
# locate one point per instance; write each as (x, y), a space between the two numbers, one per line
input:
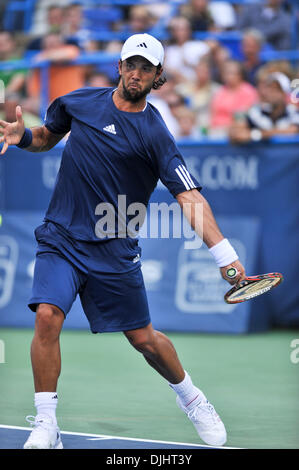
(26, 139)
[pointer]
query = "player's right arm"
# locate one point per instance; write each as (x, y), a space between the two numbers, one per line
(11, 133)
(202, 220)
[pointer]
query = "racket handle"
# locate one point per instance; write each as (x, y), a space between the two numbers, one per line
(231, 273)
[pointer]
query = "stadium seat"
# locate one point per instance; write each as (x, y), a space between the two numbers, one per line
(18, 15)
(102, 18)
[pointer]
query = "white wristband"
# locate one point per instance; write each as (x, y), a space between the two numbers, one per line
(223, 253)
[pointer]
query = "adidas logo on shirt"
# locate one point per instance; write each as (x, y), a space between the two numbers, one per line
(110, 129)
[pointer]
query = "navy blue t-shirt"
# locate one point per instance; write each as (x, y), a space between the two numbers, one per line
(109, 153)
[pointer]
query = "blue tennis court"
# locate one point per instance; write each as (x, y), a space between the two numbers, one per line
(13, 437)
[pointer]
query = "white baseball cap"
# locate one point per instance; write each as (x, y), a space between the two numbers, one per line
(282, 80)
(145, 45)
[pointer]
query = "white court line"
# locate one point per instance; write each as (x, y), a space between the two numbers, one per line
(104, 436)
(108, 438)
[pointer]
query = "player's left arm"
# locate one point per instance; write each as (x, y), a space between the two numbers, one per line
(201, 218)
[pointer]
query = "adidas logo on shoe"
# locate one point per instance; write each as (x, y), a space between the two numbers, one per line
(110, 129)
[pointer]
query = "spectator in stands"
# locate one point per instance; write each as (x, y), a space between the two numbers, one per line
(13, 80)
(199, 93)
(269, 18)
(166, 100)
(108, 68)
(223, 14)
(236, 95)
(8, 111)
(3, 5)
(219, 55)
(72, 28)
(197, 12)
(262, 74)
(73, 19)
(209, 16)
(174, 101)
(168, 87)
(160, 10)
(54, 23)
(261, 83)
(282, 66)
(164, 109)
(188, 128)
(55, 17)
(272, 116)
(141, 20)
(251, 45)
(183, 53)
(63, 78)
(98, 79)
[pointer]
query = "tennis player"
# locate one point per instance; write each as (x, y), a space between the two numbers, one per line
(118, 145)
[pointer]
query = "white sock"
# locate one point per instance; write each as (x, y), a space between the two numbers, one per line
(186, 391)
(45, 403)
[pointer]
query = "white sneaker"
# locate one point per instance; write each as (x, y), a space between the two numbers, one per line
(207, 422)
(45, 434)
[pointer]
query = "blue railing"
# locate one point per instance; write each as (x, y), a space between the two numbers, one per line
(220, 142)
(27, 7)
(279, 140)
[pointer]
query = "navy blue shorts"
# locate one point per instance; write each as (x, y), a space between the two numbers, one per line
(112, 301)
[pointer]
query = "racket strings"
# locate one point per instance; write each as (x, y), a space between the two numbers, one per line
(252, 288)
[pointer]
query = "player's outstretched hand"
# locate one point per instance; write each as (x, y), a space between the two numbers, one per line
(240, 272)
(12, 132)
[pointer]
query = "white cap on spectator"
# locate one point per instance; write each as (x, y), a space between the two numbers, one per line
(282, 80)
(145, 45)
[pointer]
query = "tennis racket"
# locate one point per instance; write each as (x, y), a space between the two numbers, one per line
(252, 286)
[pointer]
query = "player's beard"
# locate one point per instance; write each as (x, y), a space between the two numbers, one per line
(135, 96)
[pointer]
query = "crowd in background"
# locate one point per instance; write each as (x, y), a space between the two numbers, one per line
(212, 88)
